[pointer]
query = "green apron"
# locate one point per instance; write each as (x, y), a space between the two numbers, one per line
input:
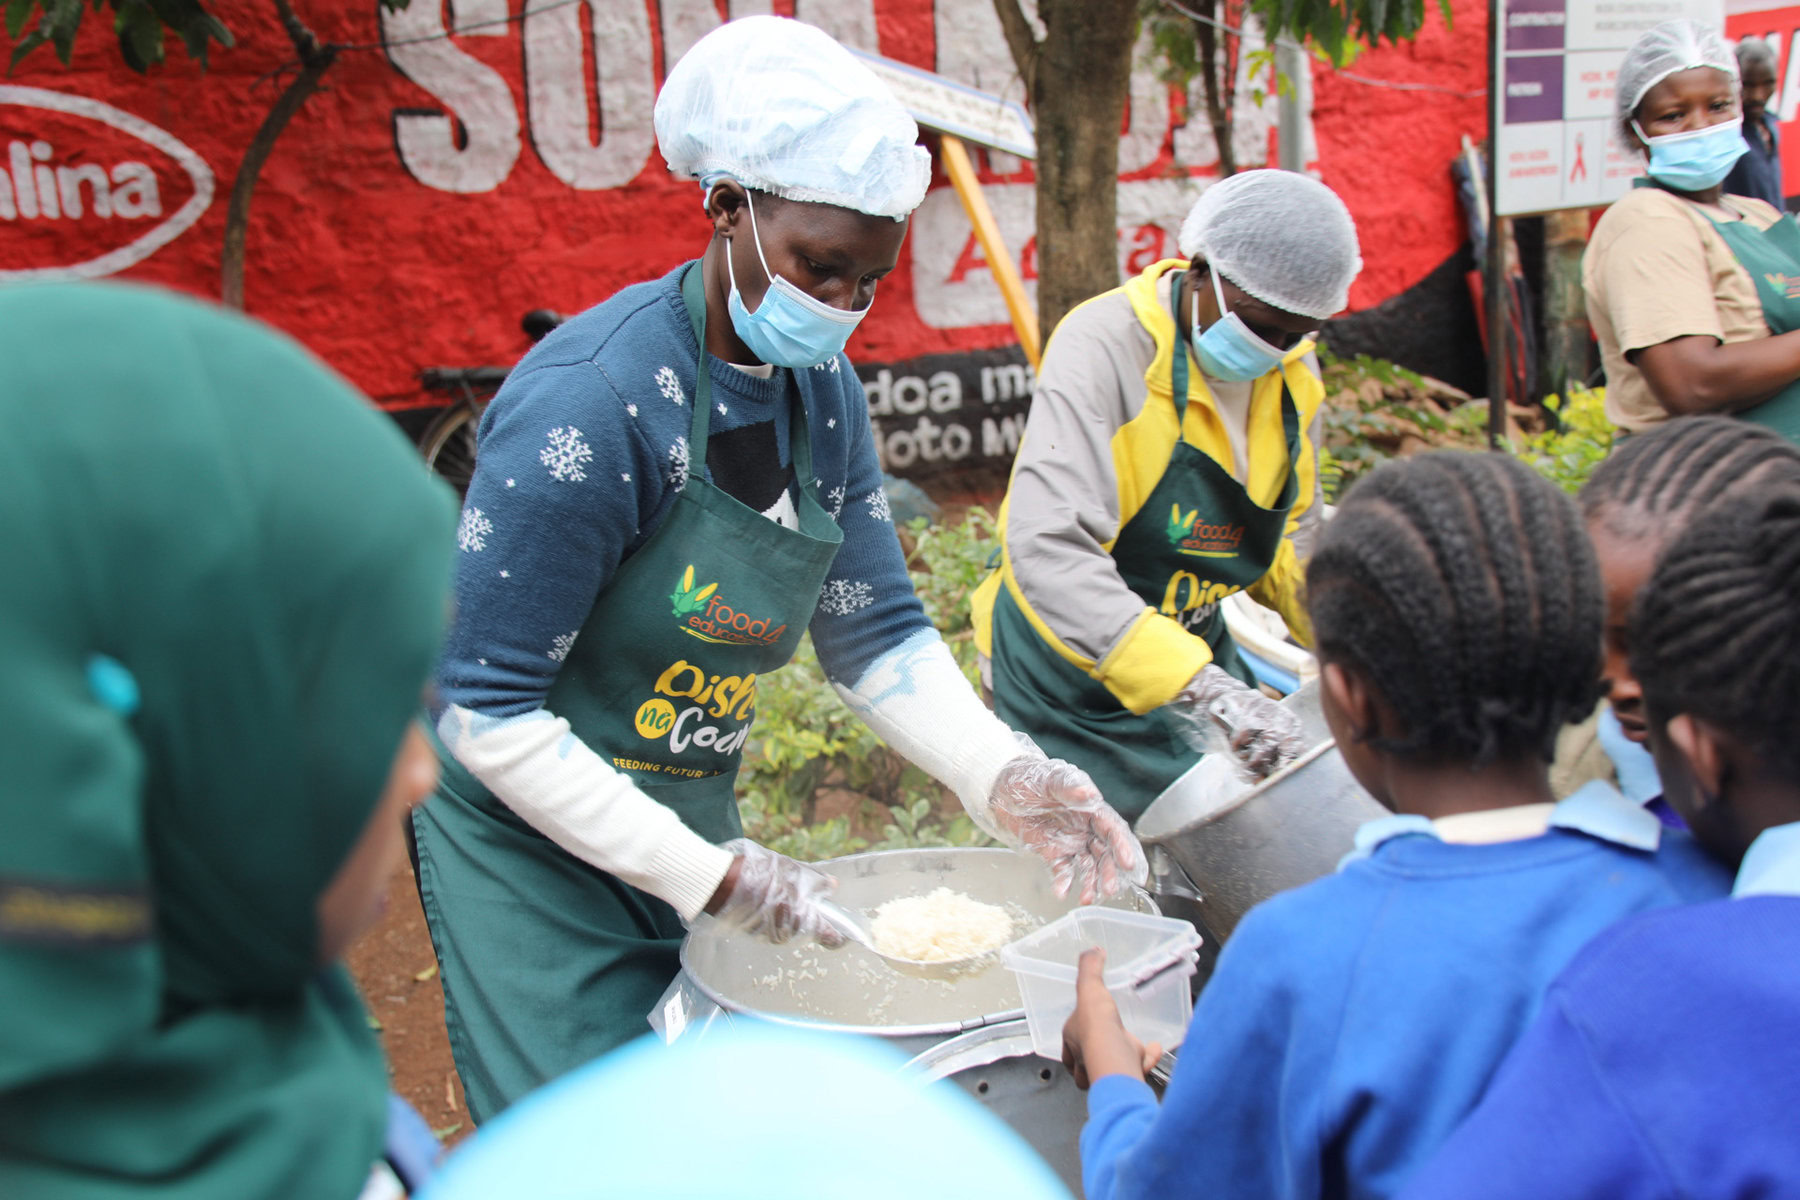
(1198, 538)
(1772, 256)
(547, 961)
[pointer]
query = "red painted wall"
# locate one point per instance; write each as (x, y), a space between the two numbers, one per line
(1388, 150)
(383, 274)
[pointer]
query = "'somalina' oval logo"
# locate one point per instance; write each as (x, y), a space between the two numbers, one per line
(71, 193)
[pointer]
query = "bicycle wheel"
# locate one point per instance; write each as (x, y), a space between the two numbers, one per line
(449, 446)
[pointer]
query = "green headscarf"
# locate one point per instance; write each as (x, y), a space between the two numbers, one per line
(222, 580)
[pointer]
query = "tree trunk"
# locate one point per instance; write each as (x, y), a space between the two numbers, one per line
(1220, 79)
(315, 59)
(1565, 309)
(1078, 77)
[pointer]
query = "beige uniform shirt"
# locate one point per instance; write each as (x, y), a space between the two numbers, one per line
(1656, 270)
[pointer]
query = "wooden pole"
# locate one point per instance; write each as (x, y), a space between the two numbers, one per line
(987, 232)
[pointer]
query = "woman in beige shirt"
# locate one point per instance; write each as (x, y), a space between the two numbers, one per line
(1694, 295)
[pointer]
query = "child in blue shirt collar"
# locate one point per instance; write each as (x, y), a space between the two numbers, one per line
(1351, 1023)
(1667, 1059)
(1636, 503)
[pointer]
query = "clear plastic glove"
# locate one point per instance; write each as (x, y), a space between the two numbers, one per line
(1051, 808)
(1216, 713)
(773, 896)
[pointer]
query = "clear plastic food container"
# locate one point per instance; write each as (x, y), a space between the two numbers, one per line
(1149, 961)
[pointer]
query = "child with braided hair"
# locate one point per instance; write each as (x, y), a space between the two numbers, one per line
(1635, 504)
(1667, 1059)
(1351, 1023)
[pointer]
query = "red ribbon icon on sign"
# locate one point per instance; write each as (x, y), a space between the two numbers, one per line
(1579, 170)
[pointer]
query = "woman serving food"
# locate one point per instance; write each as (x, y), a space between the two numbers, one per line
(672, 488)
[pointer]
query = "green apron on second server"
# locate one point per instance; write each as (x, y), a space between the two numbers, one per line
(1772, 256)
(1197, 539)
(547, 961)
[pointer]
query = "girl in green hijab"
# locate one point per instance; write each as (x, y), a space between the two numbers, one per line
(222, 581)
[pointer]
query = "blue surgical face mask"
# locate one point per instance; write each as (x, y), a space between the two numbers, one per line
(789, 328)
(1228, 349)
(1698, 159)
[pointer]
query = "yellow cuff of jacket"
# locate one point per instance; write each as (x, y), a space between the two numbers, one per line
(1153, 661)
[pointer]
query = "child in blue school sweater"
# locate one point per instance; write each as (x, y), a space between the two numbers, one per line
(1635, 505)
(1667, 1060)
(1352, 1023)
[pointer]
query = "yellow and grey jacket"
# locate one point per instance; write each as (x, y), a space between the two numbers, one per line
(1101, 430)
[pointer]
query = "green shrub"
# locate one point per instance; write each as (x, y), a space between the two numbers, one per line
(1567, 456)
(1376, 410)
(816, 782)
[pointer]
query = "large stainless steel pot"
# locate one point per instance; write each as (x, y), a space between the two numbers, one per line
(852, 989)
(970, 1030)
(1218, 847)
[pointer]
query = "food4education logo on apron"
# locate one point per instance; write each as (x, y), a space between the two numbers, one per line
(704, 613)
(1787, 285)
(1187, 597)
(1188, 535)
(696, 709)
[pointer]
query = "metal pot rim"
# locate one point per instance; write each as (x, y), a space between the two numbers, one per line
(1237, 802)
(938, 1029)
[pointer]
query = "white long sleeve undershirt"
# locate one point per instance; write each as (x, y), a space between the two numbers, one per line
(915, 698)
(565, 791)
(918, 701)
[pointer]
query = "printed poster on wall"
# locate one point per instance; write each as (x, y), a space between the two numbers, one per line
(1555, 64)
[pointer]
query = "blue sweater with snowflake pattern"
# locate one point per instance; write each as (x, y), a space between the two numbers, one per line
(580, 458)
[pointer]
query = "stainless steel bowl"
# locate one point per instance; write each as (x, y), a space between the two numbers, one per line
(853, 990)
(1219, 846)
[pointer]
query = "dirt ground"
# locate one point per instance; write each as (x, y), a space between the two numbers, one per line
(397, 972)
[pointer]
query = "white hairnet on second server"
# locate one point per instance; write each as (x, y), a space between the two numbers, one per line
(1284, 238)
(1669, 48)
(780, 107)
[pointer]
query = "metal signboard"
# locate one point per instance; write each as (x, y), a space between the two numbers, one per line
(1555, 64)
(955, 108)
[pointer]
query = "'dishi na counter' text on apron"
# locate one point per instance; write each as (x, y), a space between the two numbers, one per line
(548, 961)
(1772, 257)
(1198, 538)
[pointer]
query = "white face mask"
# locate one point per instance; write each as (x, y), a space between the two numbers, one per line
(789, 328)
(1229, 349)
(1698, 159)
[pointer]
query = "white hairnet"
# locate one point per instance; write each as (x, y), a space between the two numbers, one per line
(780, 107)
(1284, 238)
(1661, 52)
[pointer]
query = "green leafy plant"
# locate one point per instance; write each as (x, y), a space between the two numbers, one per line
(1376, 410)
(1338, 29)
(140, 25)
(918, 823)
(1567, 456)
(816, 782)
